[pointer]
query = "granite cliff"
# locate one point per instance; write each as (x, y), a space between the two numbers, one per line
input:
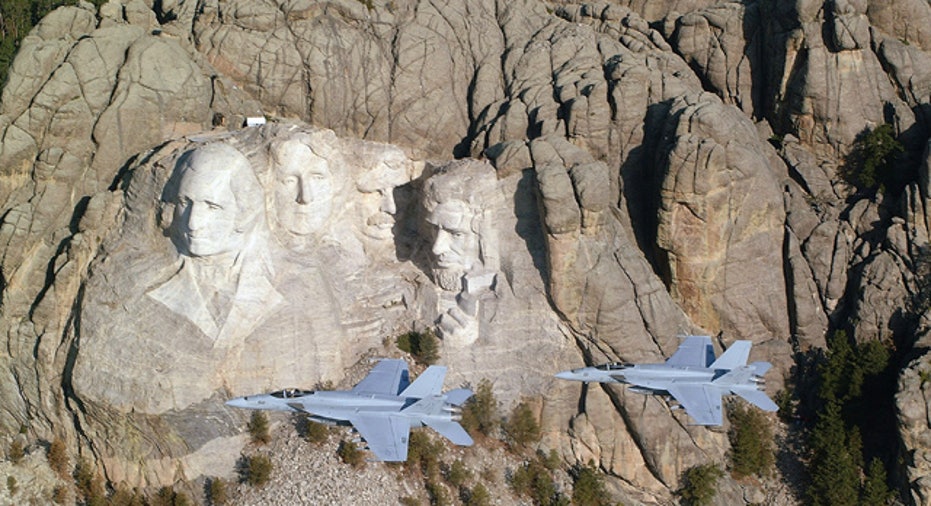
(631, 171)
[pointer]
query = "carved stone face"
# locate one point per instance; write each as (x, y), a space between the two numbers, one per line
(206, 212)
(455, 245)
(377, 206)
(303, 189)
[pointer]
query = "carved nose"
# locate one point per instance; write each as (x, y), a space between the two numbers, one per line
(441, 244)
(304, 193)
(387, 203)
(194, 218)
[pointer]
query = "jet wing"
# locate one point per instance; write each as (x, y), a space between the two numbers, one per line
(701, 403)
(385, 378)
(696, 351)
(385, 435)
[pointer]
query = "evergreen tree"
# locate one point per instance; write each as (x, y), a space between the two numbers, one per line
(533, 480)
(522, 427)
(699, 484)
(428, 348)
(258, 428)
(351, 454)
(875, 490)
(258, 470)
(480, 412)
(588, 488)
(58, 458)
(217, 494)
(478, 496)
(834, 475)
(751, 441)
(870, 163)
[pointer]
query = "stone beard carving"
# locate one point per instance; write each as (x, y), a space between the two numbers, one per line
(377, 207)
(304, 186)
(222, 285)
(464, 246)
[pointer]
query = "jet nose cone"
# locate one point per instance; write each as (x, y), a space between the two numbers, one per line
(238, 402)
(566, 375)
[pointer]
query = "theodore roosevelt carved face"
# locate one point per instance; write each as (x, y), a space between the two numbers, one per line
(376, 204)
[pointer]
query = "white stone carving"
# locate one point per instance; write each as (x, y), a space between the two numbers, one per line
(456, 198)
(222, 284)
(377, 206)
(303, 182)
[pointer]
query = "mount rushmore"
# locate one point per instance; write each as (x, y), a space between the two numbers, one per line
(543, 184)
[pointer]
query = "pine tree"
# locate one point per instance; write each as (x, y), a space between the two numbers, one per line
(522, 427)
(480, 412)
(258, 428)
(588, 488)
(875, 490)
(751, 441)
(699, 484)
(834, 474)
(58, 458)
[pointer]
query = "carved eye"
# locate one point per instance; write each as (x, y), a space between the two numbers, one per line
(213, 206)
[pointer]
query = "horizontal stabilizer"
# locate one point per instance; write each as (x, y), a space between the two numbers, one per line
(458, 396)
(451, 431)
(757, 398)
(761, 368)
(734, 357)
(427, 384)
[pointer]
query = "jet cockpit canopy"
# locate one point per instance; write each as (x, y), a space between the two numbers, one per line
(613, 366)
(289, 393)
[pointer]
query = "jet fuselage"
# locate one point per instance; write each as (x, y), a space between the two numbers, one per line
(336, 407)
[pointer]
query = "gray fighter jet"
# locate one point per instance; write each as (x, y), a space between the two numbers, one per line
(383, 407)
(692, 376)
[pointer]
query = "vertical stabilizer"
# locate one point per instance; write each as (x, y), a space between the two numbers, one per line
(427, 384)
(735, 356)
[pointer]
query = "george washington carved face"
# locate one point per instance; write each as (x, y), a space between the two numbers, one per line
(215, 202)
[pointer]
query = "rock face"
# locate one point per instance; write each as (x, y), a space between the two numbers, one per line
(581, 182)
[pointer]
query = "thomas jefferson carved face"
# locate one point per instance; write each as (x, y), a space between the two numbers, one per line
(209, 217)
(303, 195)
(455, 244)
(377, 206)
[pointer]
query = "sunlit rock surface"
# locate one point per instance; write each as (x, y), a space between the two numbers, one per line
(625, 173)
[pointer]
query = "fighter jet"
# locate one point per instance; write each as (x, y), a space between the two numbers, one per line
(692, 376)
(383, 407)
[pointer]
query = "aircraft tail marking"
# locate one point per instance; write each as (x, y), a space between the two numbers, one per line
(734, 357)
(427, 384)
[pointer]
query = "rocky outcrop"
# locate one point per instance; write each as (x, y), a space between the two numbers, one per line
(913, 405)
(658, 168)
